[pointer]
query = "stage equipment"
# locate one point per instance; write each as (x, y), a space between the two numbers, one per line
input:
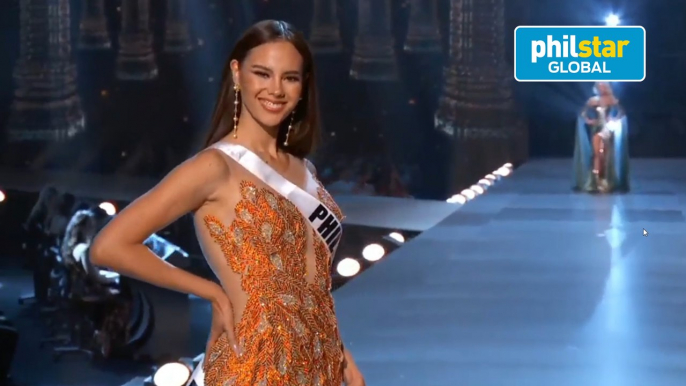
(172, 374)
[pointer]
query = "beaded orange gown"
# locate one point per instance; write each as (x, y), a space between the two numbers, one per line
(288, 329)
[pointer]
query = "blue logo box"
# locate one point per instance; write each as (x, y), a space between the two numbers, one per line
(579, 54)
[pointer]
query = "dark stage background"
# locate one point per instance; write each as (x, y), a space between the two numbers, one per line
(102, 126)
(372, 130)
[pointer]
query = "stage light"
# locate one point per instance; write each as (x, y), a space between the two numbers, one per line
(469, 194)
(3, 197)
(172, 374)
(348, 267)
(502, 172)
(373, 252)
(389, 243)
(482, 185)
(109, 208)
(612, 20)
(457, 199)
(477, 189)
(397, 236)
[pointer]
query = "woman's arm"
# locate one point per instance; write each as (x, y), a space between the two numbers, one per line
(351, 373)
(592, 103)
(347, 358)
(119, 245)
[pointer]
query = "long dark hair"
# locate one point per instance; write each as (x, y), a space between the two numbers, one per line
(305, 133)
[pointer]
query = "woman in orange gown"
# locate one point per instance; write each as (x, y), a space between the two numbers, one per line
(266, 225)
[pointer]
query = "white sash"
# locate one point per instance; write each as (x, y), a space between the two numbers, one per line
(321, 218)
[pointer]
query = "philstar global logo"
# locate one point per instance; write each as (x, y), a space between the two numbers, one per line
(579, 54)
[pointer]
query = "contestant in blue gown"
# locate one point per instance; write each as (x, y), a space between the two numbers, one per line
(601, 151)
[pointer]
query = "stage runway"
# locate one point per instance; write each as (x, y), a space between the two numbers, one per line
(533, 285)
(379, 212)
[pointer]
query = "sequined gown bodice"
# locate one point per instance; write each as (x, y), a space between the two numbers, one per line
(288, 329)
(601, 113)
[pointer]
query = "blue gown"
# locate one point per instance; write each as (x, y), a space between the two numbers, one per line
(616, 165)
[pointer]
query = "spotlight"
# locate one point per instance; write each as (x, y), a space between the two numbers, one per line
(172, 374)
(469, 194)
(502, 172)
(491, 177)
(348, 267)
(3, 197)
(397, 236)
(457, 199)
(390, 242)
(485, 182)
(477, 189)
(109, 208)
(612, 20)
(373, 252)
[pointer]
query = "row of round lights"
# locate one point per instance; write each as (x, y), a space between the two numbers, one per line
(349, 266)
(482, 186)
(108, 207)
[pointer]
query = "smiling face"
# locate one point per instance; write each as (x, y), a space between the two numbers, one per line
(270, 80)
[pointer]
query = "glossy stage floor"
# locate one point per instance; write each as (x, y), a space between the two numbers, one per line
(531, 284)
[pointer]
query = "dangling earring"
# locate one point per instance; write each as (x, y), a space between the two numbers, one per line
(235, 111)
(290, 127)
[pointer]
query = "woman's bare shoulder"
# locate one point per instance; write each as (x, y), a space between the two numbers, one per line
(201, 174)
(211, 162)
